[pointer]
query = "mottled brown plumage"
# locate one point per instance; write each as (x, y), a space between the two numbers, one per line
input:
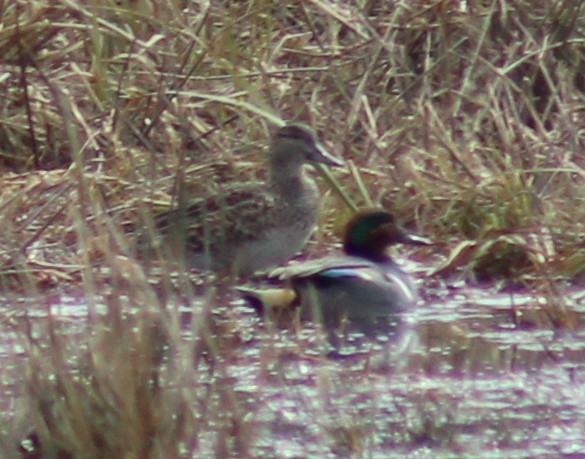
(245, 227)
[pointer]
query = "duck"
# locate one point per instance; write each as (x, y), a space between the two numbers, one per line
(241, 228)
(363, 287)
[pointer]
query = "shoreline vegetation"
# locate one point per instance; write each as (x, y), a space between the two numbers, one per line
(464, 119)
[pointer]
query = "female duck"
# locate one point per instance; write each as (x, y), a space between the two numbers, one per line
(242, 228)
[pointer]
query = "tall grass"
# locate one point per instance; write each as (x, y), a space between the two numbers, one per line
(463, 118)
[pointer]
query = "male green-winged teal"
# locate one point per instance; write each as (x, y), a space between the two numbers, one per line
(242, 228)
(364, 286)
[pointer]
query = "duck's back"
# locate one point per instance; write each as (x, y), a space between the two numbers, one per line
(349, 288)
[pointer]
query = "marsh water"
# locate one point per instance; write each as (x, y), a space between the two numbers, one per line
(481, 374)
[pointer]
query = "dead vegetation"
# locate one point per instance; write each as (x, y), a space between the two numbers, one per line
(463, 118)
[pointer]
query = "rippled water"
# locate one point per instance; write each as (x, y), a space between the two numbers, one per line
(483, 377)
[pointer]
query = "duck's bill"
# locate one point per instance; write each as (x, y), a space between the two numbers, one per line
(395, 234)
(413, 239)
(323, 156)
